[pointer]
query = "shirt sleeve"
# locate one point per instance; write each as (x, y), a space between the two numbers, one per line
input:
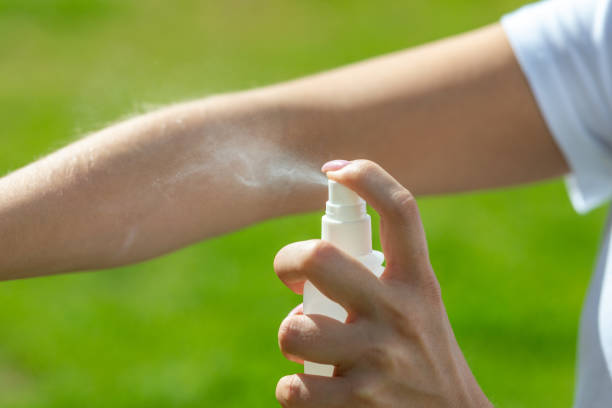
(564, 48)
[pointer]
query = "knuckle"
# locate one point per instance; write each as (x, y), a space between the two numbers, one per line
(395, 310)
(429, 286)
(378, 356)
(363, 394)
(289, 390)
(413, 327)
(395, 300)
(403, 205)
(402, 313)
(289, 334)
(432, 290)
(318, 253)
(361, 169)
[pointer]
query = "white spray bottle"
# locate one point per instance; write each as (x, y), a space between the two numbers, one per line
(346, 225)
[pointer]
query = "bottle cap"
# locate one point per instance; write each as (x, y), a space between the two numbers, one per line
(346, 223)
(344, 204)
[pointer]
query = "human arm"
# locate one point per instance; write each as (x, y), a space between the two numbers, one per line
(397, 347)
(450, 116)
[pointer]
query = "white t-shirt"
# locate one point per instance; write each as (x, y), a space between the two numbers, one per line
(565, 50)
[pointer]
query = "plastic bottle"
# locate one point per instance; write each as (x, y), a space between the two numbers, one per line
(347, 225)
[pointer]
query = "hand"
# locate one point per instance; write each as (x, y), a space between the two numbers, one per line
(397, 347)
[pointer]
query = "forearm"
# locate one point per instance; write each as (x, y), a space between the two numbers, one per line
(450, 116)
(150, 185)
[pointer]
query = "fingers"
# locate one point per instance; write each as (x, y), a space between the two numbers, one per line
(317, 338)
(312, 391)
(298, 310)
(337, 275)
(402, 233)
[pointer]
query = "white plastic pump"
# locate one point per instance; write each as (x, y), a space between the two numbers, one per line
(347, 225)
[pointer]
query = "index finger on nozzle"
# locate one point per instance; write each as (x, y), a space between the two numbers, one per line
(334, 165)
(403, 236)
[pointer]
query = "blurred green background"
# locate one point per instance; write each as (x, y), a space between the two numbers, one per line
(198, 327)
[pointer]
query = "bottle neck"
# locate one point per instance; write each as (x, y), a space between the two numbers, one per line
(345, 213)
(353, 237)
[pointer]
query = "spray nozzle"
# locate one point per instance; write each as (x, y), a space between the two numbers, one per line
(344, 204)
(341, 195)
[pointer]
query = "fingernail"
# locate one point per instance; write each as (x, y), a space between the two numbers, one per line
(299, 309)
(334, 165)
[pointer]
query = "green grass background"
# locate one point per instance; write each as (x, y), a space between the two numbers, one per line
(198, 327)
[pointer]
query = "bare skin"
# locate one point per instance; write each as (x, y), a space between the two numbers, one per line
(397, 347)
(455, 115)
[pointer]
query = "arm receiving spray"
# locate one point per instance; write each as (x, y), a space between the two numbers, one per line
(161, 181)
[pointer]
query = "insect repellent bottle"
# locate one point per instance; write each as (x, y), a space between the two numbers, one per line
(346, 225)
